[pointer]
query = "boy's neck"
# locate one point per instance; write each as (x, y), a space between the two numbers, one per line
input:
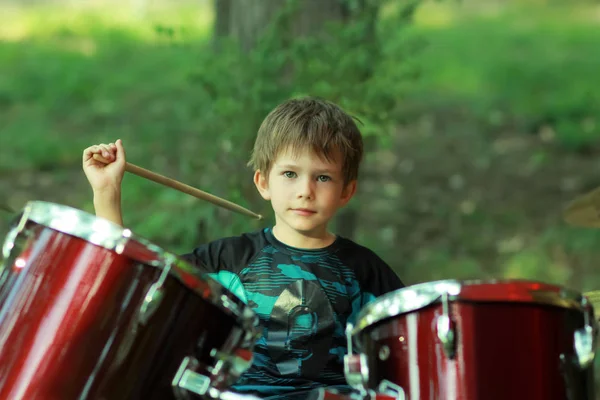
(302, 241)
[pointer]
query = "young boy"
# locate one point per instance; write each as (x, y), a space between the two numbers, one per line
(304, 282)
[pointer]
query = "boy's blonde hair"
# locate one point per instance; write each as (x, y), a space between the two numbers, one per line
(309, 123)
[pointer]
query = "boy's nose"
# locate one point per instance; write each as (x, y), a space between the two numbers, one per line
(305, 188)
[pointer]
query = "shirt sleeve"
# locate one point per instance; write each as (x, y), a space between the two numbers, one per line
(225, 259)
(380, 278)
(206, 257)
(375, 277)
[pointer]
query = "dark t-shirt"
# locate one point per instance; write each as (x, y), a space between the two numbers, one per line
(304, 299)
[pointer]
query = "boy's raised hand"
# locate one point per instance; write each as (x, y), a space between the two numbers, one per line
(105, 178)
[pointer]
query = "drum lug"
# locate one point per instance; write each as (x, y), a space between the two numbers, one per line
(445, 328)
(154, 296)
(16, 237)
(584, 339)
(151, 301)
(11, 237)
(186, 380)
(231, 364)
(356, 369)
(9, 242)
(392, 390)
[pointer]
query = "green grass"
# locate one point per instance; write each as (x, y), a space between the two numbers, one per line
(70, 78)
(76, 77)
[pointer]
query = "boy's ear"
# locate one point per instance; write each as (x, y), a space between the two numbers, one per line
(262, 184)
(348, 192)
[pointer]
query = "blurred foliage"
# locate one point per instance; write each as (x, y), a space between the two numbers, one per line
(481, 120)
(527, 73)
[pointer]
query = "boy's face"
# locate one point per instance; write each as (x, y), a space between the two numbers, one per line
(305, 191)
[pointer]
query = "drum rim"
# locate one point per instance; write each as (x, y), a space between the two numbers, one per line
(114, 238)
(406, 299)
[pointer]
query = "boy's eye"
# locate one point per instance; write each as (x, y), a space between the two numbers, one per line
(323, 178)
(289, 174)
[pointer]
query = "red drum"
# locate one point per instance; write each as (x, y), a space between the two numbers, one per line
(476, 340)
(88, 311)
(326, 394)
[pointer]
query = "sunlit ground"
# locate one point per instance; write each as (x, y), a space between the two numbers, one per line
(20, 22)
(463, 60)
(457, 63)
(190, 20)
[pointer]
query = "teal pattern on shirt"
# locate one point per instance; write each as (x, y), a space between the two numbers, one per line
(304, 300)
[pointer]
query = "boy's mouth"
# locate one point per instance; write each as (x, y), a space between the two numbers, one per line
(303, 211)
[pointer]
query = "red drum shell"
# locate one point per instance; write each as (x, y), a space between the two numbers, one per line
(331, 394)
(71, 324)
(514, 340)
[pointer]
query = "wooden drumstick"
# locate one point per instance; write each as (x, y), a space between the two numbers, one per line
(182, 187)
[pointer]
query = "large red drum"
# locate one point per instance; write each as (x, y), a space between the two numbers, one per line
(329, 394)
(88, 311)
(476, 340)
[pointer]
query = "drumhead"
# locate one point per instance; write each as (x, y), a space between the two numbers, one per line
(416, 297)
(113, 237)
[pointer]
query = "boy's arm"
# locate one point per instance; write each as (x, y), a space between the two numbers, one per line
(108, 206)
(105, 178)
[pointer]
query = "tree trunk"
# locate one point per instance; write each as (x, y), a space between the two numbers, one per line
(247, 20)
(222, 18)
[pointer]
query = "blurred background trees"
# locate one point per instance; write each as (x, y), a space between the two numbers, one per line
(481, 118)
